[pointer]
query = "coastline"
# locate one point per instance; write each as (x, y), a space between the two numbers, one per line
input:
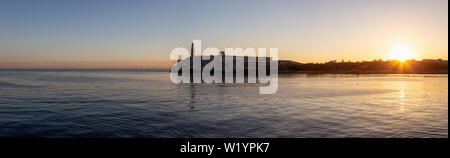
(279, 72)
(357, 72)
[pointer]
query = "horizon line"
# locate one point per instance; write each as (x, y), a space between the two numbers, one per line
(133, 65)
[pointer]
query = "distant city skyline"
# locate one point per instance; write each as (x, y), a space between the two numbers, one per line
(141, 34)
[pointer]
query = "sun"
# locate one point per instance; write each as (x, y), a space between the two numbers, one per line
(402, 52)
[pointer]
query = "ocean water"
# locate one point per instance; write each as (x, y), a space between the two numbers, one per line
(145, 103)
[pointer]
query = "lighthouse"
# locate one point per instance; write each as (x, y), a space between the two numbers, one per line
(191, 58)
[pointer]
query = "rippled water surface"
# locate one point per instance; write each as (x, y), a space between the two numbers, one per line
(144, 103)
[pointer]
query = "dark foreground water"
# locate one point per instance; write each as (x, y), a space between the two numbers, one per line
(138, 103)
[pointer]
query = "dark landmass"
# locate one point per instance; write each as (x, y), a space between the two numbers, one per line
(426, 66)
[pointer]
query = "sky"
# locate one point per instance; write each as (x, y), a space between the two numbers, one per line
(141, 33)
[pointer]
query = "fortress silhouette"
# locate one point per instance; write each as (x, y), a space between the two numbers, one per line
(226, 65)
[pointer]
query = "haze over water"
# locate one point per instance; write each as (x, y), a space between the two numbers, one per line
(144, 103)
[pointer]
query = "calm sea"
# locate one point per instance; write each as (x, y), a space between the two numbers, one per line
(145, 103)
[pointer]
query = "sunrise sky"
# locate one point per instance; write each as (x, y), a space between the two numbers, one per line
(141, 34)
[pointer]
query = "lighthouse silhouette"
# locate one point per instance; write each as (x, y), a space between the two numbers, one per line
(191, 63)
